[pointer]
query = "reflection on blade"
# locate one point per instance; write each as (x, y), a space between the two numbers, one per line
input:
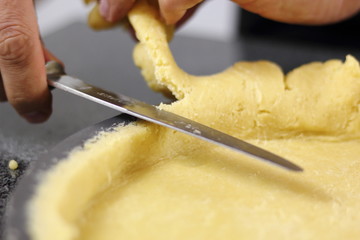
(58, 79)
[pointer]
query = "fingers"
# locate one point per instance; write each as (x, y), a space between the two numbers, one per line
(186, 16)
(303, 11)
(3, 97)
(22, 61)
(49, 56)
(114, 10)
(173, 10)
(96, 21)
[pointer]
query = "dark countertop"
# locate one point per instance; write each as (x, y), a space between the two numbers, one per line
(105, 59)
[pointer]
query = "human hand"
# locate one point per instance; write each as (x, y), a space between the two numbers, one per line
(289, 11)
(173, 11)
(306, 12)
(23, 80)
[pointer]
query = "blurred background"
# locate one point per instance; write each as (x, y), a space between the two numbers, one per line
(218, 35)
(249, 36)
(216, 20)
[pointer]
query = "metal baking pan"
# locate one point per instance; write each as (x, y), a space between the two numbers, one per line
(16, 215)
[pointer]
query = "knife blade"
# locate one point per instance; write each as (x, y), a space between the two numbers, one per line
(57, 78)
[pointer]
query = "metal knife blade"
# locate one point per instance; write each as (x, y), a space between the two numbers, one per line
(58, 79)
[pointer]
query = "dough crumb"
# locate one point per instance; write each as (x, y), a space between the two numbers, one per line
(13, 164)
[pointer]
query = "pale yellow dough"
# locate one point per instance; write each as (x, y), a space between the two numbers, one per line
(147, 182)
(13, 164)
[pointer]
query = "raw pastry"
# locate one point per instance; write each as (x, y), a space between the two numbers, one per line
(148, 182)
(13, 164)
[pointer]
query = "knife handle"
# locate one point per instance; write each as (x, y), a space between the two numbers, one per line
(54, 68)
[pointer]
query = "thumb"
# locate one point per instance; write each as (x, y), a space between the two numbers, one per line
(22, 61)
(173, 10)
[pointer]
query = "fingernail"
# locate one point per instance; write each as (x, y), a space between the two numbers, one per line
(36, 117)
(104, 9)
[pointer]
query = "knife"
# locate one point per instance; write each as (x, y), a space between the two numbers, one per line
(57, 78)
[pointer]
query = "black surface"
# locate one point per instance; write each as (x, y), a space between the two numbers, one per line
(341, 33)
(105, 59)
(16, 217)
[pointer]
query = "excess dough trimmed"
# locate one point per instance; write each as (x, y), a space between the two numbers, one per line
(147, 182)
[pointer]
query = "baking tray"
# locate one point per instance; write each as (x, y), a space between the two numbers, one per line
(16, 214)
